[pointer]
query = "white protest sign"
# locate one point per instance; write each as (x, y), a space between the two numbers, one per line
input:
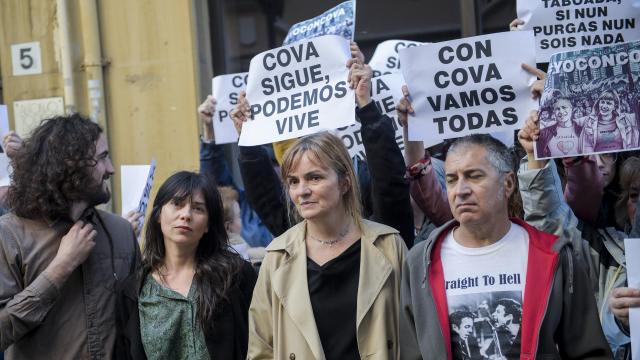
(385, 59)
(565, 25)
(505, 137)
(133, 179)
(226, 89)
(5, 166)
(386, 92)
(297, 90)
(5, 170)
(590, 102)
(339, 20)
(471, 85)
(136, 182)
(632, 246)
(4, 121)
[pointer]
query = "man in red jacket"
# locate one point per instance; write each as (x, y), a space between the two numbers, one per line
(530, 297)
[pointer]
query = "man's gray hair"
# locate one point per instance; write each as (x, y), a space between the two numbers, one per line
(498, 154)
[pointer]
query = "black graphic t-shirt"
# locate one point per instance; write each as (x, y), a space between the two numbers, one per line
(484, 295)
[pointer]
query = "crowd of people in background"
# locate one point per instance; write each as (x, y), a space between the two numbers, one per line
(467, 250)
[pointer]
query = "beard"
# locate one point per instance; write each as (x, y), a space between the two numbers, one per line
(97, 194)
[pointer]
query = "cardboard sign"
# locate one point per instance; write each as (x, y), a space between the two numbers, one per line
(339, 20)
(386, 92)
(590, 102)
(226, 89)
(385, 59)
(471, 85)
(569, 25)
(297, 90)
(136, 182)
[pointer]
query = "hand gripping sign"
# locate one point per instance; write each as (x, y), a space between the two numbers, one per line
(297, 90)
(226, 88)
(471, 85)
(566, 25)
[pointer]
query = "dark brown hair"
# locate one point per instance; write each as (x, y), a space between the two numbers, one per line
(51, 170)
(216, 265)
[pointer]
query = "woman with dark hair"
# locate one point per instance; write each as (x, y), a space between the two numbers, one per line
(191, 296)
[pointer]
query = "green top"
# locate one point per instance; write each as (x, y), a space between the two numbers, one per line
(169, 323)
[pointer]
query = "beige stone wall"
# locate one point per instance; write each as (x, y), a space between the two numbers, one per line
(150, 76)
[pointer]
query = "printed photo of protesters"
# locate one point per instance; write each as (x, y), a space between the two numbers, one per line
(590, 103)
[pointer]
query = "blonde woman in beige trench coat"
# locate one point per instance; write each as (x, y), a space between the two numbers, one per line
(321, 183)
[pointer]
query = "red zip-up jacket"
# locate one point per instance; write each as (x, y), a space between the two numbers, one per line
(559, 313)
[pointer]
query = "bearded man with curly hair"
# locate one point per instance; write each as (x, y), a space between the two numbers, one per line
(60, 258)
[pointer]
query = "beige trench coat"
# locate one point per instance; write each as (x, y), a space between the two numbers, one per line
(281, 321)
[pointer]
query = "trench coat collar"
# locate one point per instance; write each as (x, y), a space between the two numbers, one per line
(290, 279)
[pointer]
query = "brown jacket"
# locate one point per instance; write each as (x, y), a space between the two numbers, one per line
(281, 321)
(77, 321)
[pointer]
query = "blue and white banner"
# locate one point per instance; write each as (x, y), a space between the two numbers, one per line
(340, 20)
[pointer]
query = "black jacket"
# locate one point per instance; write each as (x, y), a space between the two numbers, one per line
(389, 190)
(231, 333)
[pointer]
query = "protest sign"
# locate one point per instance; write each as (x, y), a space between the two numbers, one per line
(471, 85)
(632, 246)
(386, 92)
(5, 167)
(385, 59)
(339, 20)
(136, 182)
(590, 102)
(569, 25)
(4, 121)
(297, 90)
(226, 89)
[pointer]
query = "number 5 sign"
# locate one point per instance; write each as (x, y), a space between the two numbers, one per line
(26, 58)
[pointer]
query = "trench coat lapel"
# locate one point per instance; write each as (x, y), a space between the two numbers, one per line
(374, 272)
(291, 287)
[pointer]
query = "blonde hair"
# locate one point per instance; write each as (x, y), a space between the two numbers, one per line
(228, 195)
(326, 150)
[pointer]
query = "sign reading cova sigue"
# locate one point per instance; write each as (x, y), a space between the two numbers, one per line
(299, 89)
(471, 85)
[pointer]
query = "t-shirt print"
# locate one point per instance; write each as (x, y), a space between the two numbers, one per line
(484, 295)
